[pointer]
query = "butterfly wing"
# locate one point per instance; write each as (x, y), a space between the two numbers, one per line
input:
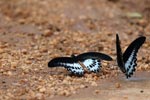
(129, 56)
(69, 63)
(96, 55)
(119, 55)
(93, 65)
(92, 60)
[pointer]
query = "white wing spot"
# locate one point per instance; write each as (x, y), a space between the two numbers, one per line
(130, 64)
(92, 65)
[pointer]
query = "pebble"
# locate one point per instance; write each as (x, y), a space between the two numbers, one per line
(117, 85)
(94, 84)
(65, 93)
(43, 89)
(97, 91)
(47, 33)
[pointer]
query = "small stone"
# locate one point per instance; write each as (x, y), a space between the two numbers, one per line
(142, 22)
(21, 21)
(93, 84)
(65, 93)
(43, 89)
(39, 96)
(47, 33)
(1, 51)
(42, 50)
(14, 64)
(97, 91)
(146, 66)
(117, 85)
(9, 73)
(24, 51)
(125, 97)
(134, 15)
(82, 86)
(141, 91)
(28, 62)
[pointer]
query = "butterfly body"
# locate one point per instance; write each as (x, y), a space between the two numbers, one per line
(127, 60)
(76, 64)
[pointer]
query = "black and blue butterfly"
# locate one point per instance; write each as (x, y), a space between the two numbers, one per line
(127, 60)
(76, 64)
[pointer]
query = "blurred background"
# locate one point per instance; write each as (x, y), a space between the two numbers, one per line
(77, 15)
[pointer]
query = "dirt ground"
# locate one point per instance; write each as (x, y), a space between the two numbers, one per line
(32, 32)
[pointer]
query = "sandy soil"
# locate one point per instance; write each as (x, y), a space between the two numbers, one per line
(116, 88)
(32, 32)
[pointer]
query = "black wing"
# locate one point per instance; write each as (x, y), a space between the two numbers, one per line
(119, 55)
(69, 63)
(129, 56)
(96, 55)
(91, 60)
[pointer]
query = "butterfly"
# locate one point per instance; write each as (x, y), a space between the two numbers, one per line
(76, 64)
(127, 60)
